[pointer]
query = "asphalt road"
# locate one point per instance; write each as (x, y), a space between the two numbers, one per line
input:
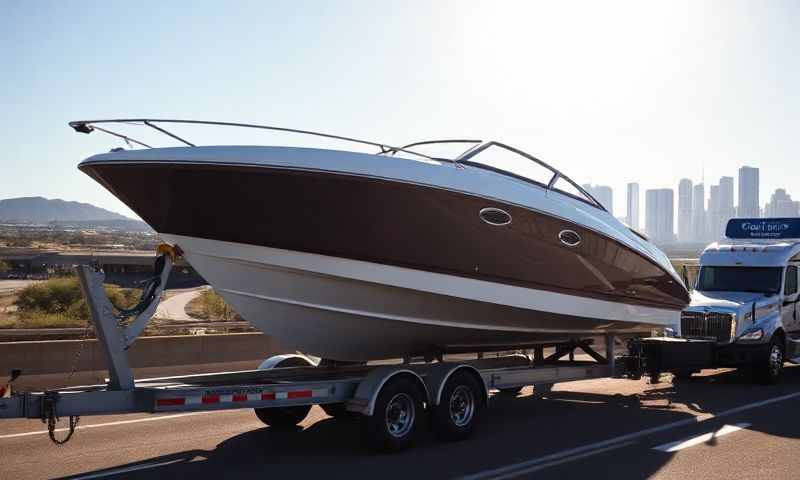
(717, 426)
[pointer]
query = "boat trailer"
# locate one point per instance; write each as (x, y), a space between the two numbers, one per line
(390, 398)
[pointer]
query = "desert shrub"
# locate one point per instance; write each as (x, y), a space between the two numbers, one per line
(215, 306)
(62, 297)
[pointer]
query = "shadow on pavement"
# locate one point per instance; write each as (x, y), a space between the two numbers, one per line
(512, 430)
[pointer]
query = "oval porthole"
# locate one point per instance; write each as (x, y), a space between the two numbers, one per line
(495, 216)
(569, 238)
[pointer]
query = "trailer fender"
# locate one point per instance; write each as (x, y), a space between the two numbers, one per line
(366, 395)
(438, 375)
(286, 360)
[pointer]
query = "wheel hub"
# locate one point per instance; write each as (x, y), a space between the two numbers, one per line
(462, 405)
(400, 413)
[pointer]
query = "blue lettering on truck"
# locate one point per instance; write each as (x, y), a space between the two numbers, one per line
(763, 228)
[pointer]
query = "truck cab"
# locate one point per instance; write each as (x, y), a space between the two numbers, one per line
(745, 298)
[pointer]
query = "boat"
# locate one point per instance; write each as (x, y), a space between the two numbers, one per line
(355, 256)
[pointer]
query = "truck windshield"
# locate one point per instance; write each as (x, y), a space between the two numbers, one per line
(740, 279)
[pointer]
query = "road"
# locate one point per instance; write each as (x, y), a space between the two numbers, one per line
(718, 426)
(11, 286)
(174, 307)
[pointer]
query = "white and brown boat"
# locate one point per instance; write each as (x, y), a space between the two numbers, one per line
(356, 256)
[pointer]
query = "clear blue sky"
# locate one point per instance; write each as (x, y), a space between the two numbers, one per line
(609, 92)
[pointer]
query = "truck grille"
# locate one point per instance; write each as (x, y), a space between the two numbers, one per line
(708, 325)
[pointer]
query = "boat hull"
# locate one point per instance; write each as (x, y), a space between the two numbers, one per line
(352, 310)
(374, 258)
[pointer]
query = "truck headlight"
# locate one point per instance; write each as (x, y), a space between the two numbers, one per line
(753, 335)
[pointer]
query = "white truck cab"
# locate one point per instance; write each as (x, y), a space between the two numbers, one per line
(746, 295)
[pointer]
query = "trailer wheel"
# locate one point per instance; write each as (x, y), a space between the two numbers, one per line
(768, 371)
(394, 424)
(282, 417)
(459, 408)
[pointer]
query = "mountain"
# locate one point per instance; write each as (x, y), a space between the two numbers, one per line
(43, 210)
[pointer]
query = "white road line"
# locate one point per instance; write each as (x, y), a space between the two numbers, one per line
(117, 471)
(559, 461)
(520, 468)
(109, 424)
(706, 437)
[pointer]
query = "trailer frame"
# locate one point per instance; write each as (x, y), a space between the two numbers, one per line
(356, 387)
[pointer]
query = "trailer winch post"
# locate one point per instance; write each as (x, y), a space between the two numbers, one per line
(120, 374)
(114, 339)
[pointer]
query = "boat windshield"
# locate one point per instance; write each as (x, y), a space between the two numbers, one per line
(765, 280)
(508, 161)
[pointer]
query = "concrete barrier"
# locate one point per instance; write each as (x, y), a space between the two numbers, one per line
(46, 364)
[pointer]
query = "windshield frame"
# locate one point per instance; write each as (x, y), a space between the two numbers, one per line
(466, 157)
(778, 288)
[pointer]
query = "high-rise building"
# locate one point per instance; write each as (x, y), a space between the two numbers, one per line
(748, 192)
(685, 210)
(713, 215)
(699, 213)
(659, 214)
(602, 194)
(726, 205)
(632, 217)
(781, 205)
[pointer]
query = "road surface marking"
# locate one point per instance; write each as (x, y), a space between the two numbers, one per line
(117, 471)
(565, 456)
(110, 424)
(706, 437)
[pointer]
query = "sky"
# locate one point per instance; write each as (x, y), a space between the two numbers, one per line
(607, 92)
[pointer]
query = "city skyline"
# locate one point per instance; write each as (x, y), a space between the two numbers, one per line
(693, 213)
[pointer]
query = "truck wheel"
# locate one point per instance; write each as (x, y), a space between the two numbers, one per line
(282, 417)
(770, 368)
(394, 424)
(459, 408)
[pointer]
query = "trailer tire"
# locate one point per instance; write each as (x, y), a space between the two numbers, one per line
(398, 413)
(768, 371)
(459, 407)
(282, 417)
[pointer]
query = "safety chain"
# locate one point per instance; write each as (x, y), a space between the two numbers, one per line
(50, 417)
(78, 353)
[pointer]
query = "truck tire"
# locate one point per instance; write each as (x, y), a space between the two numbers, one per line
(398, 413)
(282, 417)
(768, 371)
(459, 408)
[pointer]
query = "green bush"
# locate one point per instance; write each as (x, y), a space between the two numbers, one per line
(62, 297)
(215, 306)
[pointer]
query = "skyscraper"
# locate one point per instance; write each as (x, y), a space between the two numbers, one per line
(603, 194)
(781, 205)
(699, 213)
(685, 210)
(659, 206)
(713, 215)
(748, 192)
(726, 205)
(633, 206)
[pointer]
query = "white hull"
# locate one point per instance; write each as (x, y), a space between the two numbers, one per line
(353, 310)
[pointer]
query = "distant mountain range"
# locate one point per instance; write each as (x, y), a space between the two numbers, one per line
(40, 210)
